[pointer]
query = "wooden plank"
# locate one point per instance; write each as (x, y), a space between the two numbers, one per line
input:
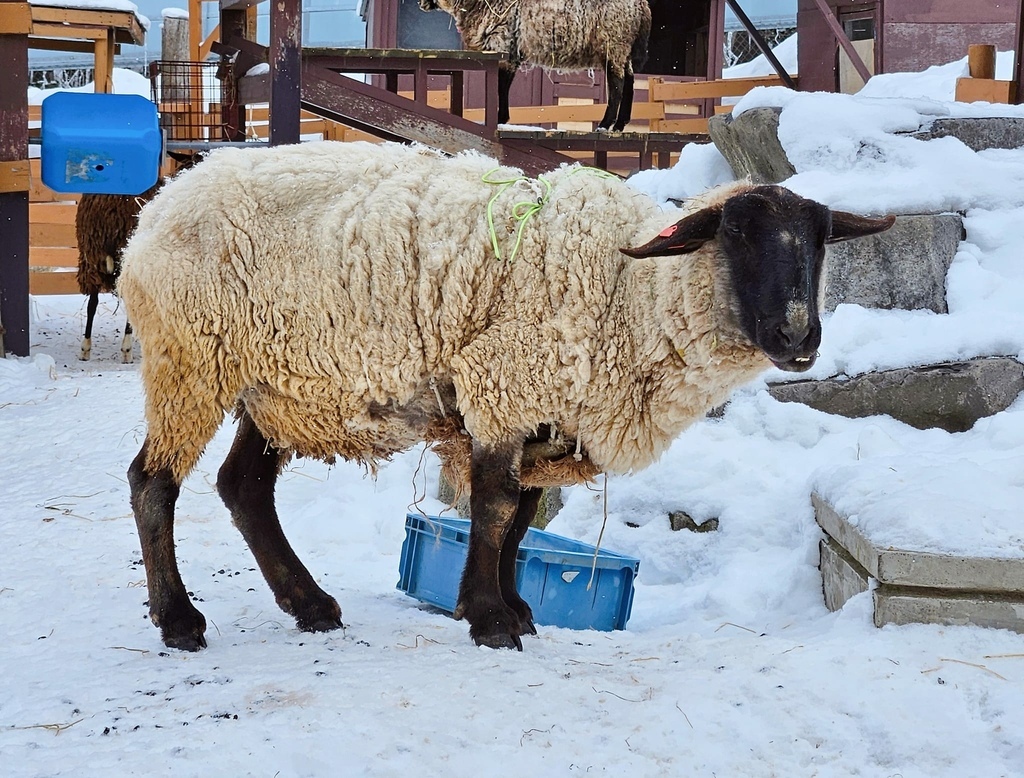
(47, 30)
(84, 17)
(14, 176)
(16, 19)
(55, 282)
(52, 235)
(972, 90)
(47, 256)
(52, 213)
(52, 44)
(684, 126)
(699, 90)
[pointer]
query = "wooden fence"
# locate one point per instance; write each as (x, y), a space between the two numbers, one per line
(669, 107)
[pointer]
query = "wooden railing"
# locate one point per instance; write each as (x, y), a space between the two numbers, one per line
(53, 249)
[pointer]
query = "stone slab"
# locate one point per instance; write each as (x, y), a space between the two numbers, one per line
(913, 587)
(904, 267)
(925, 608)
(978, 134)
(950, 396)
(920, 569)
(841, 577)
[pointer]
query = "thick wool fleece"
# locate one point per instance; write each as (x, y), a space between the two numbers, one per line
(103, 224)
(345, 292)
(556, 34)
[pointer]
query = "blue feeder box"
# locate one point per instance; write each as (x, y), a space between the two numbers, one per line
(552, 574)
(98, 143)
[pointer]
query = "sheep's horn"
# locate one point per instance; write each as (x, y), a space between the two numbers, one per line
(848, 225)
(686, 235)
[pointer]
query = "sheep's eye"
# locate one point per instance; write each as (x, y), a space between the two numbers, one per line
(733, 229)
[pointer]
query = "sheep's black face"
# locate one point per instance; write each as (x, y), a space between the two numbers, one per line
(774, 242)
(428, 5)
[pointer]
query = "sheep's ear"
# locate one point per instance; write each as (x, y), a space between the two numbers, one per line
(848, 225)
(686, 235)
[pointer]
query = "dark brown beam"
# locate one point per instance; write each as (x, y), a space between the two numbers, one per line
(14, 315)
(758, 39)
(1019, 55)
(55, 44)
(234, 24)
(285, 71)
(837, 31)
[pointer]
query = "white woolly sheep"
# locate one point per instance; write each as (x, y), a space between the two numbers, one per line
(354, 299)
(559, 35)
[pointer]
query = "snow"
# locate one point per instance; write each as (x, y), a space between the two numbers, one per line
(730, 664)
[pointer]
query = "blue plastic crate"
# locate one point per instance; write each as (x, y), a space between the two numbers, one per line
(552, 573)
(100, 143)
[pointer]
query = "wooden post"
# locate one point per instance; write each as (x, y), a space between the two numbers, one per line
(174, 84)
(285, 71)
(103, 62)
(15, 21)
(1018, 64)
(981, 60)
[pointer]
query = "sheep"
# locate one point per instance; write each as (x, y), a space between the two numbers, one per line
(350, 299)
(559, 35)
(103, 224)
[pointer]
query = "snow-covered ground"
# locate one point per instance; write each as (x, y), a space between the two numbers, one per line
(730, 664)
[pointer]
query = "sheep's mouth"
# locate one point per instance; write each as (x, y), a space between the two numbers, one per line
(795, 364)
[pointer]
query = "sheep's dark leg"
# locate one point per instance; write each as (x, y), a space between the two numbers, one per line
(126, 343)
(153, 498)
(626, 102)
(90, 314)
(246, 484)
(505, 76)
(614, 79)
(529, 499)
(494, 501)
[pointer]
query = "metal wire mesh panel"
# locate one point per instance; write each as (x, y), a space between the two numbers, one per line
(197, 100)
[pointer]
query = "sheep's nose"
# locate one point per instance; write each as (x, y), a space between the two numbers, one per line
(791, 336)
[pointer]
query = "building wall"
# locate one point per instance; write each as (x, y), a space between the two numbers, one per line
(911, 35)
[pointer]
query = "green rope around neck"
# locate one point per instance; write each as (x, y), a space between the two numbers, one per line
(524, 209)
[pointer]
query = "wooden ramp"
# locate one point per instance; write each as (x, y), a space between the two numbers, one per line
(326, 91)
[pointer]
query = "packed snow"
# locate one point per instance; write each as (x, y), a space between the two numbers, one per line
(730, 665)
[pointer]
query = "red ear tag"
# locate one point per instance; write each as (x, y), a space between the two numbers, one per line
(669, 231)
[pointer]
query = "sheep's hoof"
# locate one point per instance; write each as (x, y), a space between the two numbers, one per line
(86, 350)
(322, 614)
(494, 627)
(499, 641)
(184, 631)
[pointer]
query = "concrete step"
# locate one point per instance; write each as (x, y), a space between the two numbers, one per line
(913, 586)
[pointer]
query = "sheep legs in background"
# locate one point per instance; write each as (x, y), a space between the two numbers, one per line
(505, 76)
(126, 344)
(245, 483)
(500, 515)
(153, 498)
(90, 314)
(620, 99)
